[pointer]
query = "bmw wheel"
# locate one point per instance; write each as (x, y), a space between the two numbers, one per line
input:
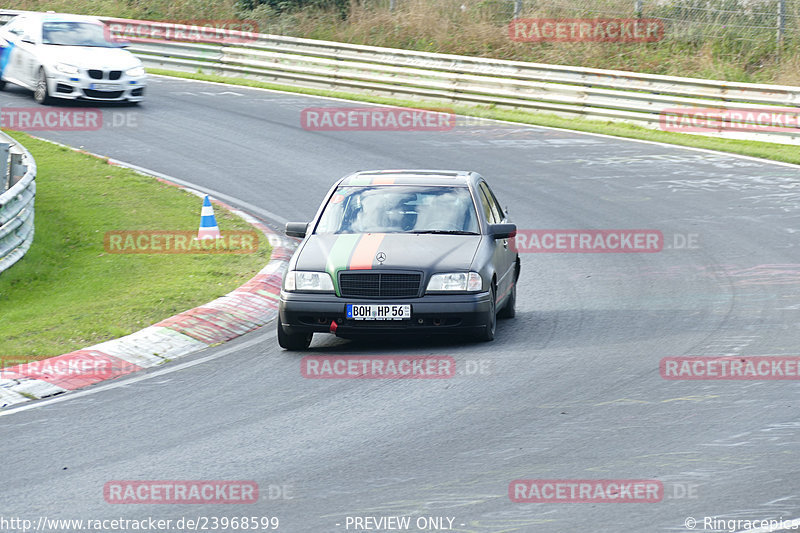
(41, 94)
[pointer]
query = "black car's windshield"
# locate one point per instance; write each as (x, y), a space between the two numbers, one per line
(399, 209)
(71, 33)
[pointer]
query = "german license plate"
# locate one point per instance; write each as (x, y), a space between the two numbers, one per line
(378, 312)
(104, 87)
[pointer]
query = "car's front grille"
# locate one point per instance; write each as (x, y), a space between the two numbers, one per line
(111, 95)
(371, 284)
(96, 74)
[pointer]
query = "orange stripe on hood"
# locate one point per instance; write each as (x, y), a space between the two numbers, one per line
(365, 251)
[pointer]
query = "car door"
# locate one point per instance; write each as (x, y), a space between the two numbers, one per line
(18, 55)
(10, 35)
(503, 258)
(28, 51)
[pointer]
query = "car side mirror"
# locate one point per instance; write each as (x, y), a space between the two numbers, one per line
(296, 229)
(502, 231)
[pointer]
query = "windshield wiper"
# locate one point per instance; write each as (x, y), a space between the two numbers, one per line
(445, 232)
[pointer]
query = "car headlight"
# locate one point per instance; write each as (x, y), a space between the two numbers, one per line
(66, 69)
(135, 72)
(297, 280)
(455, 281)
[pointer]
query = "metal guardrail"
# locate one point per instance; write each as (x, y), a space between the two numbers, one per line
(18, 176)
(643, 99)
(610, 95)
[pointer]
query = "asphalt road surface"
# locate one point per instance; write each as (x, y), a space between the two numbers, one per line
(569, 390)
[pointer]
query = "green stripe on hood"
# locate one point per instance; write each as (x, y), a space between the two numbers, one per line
(339, 256)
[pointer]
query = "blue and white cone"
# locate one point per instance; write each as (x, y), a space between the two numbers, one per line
(208, 223)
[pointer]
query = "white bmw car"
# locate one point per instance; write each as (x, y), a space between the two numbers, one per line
(68, 56)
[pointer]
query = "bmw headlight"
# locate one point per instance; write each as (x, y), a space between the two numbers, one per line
(64, 68)
(455, 281)
(297, 280)
(135, 72)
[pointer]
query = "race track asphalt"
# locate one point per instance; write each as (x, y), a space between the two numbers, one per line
(570, 388)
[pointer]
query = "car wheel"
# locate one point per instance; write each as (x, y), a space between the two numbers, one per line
(509, 310)
(2, 84)
(293, 341)
(41, 95)
(486, 333)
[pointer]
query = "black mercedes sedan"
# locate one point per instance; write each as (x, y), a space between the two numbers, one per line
(393, 251)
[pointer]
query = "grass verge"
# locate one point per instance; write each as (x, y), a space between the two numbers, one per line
(765, 150)
(67, 293)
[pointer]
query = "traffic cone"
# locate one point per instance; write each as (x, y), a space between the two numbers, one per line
(208, 223)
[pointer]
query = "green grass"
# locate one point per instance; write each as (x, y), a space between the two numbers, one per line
(67, 293)
(777, 152)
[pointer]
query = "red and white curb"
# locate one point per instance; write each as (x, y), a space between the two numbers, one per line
(238, 312)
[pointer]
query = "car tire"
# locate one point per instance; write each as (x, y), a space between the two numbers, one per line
(293, 341)
(486, 332)
(509, 310)
(41, 95)
(2, 84)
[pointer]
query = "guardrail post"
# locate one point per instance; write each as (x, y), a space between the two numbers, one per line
(637, 8)
(517, 8)
(5, 175)
(18, 169)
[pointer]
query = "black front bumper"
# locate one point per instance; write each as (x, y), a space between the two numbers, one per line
(432, 313)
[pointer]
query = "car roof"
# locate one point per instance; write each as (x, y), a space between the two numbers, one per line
(62, 17)
(458, 178)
